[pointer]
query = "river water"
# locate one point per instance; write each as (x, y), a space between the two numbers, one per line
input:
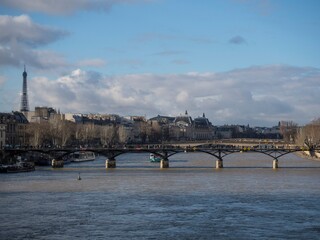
(246, 199)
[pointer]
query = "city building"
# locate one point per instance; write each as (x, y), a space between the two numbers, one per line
(41, 114)
(98, 119)
(182, 127)
(126, 133)
(2, 135)
(203, 129)
(15, 129)
(158, 128)
(139, 124)
(224, 132)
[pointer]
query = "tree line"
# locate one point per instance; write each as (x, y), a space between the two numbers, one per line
(65, 133)
(308, 135)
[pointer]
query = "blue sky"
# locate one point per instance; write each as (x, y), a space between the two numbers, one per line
(240, 61)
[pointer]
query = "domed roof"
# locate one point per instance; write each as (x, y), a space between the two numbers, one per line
(183, 119)
(202, 122)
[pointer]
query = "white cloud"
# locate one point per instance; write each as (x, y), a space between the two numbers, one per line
(182, 97)
(257, 95)
(62, 6)
(71, 92)
(19, 40)
(21, 29)
(16, 55)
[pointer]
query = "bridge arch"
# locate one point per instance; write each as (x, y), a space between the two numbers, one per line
(279, 152)
(113, 153)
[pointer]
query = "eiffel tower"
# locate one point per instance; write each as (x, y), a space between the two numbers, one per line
(24, 97)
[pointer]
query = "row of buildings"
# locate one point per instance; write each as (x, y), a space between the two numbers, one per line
(131, 129)
(181, 127)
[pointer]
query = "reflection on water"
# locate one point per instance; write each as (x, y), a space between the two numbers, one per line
(191, 200)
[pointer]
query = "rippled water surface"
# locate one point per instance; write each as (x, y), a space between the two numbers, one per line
(246, 199)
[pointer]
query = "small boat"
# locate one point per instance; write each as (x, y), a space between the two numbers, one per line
(154, 157)
(18, 167)
(82, 156)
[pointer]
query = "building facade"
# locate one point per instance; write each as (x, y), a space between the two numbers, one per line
(182, 128)
(2, 135)
(203, 129)
(43, 114)
(15, 129)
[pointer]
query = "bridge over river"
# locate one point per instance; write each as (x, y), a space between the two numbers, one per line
(164, 152)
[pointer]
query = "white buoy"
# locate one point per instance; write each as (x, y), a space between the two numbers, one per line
(79, 178)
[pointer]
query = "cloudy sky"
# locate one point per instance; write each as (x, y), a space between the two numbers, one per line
(251, 62)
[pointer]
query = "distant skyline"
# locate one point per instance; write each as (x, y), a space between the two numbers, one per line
(251, 62)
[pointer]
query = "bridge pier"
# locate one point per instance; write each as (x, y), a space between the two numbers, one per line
(219, 164)
(164, 163)
(275, 164)
(111, 163)
(55, 163)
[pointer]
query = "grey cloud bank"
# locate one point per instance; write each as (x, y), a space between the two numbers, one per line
(21, 29)
(259, 95)
(19, 40)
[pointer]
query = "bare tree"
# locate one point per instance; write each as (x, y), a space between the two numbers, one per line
(86, 133)
(108, 134)
(63, 132)
(54, 132)
(38, 133)
(79, 133)
(289, 130)
(301, 136)
(310, 134)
